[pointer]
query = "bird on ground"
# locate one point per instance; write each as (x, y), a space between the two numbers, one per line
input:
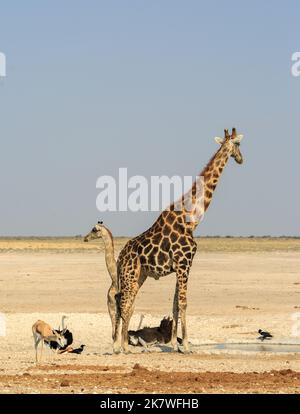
(77, 350)
(264, 335)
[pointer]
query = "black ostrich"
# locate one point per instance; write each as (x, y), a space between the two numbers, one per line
(149, 336)
(68, 336)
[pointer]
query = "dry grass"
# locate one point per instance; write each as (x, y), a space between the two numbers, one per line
(248, 244)
(205, 244)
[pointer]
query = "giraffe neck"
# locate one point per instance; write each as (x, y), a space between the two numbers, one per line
(110, 255)
(213, 171)
(202, 190)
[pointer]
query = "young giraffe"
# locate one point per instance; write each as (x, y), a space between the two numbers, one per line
(168, 246)
(99, 231)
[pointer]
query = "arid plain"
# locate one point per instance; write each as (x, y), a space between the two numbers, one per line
(236, 286)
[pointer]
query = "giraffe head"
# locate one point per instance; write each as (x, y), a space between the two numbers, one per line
(96, 232)
(232, 143)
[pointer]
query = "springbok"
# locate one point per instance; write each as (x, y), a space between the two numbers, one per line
(42, 332)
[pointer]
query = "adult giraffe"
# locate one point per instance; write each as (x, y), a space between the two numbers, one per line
(169, 246)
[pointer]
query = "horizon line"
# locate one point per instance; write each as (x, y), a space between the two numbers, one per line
(78, 236)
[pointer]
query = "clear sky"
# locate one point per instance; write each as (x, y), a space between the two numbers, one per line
(92, 86)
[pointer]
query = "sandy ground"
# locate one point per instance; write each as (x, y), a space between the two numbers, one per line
(235, 287)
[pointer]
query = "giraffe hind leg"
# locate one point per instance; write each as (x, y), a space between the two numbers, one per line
(135, 280)
(117, 330)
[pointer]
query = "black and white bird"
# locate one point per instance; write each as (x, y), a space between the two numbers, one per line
(77, 350)
(264, 335)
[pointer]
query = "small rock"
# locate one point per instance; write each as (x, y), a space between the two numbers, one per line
(65, 383)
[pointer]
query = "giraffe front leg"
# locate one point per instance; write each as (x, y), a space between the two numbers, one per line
(126, 313)
(175, 320)
(185, 343)
(182, 279)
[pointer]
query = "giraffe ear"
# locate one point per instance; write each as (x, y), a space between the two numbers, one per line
(219, 140)
(238, 139)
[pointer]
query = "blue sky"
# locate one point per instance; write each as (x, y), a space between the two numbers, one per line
(97, 85)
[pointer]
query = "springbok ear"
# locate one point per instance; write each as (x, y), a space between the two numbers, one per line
(238, 139)
(219, 140)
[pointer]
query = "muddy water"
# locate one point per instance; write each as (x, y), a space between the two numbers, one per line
(250, 347)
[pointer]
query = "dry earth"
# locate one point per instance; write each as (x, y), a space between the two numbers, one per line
(236, 286)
